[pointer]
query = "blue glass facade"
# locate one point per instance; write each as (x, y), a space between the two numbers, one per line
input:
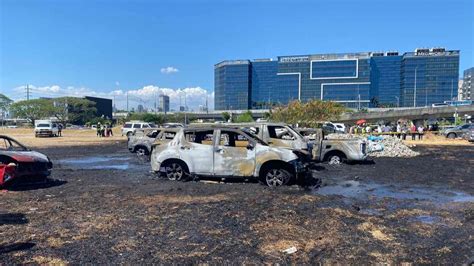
(385, 80)
(357, 80)
(232, 85)
(428, 79)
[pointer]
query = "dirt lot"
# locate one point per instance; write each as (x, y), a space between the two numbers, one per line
(103, 206)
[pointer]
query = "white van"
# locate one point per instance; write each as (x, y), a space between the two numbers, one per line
(46, 128)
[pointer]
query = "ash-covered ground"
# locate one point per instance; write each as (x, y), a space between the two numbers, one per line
(103, 206)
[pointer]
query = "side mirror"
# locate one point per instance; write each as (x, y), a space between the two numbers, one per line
(250, 146)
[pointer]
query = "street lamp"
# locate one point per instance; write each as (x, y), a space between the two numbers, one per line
(414, 91)
(398, 100)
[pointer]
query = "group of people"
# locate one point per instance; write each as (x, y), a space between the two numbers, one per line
(401, 130)
(104, 130)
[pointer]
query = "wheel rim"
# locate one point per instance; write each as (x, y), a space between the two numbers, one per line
(334, 160)
(141, 152)
(275, 178)
(174, 171)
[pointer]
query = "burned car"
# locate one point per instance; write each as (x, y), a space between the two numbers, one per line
(7, 174)
(28, 163)
(334, 151)
(226, 152)
(142, 143)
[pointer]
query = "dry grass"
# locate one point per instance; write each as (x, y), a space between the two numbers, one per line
(71, 137)
(430, 139)
(377, 232)
(47, 260)
(187, 199)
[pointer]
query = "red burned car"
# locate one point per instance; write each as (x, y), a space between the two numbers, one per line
(7, 173)
(27, 163)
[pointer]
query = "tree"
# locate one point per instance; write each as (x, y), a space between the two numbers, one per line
(307, 114)
(32, 109)
(148, 117)
(4, 102)
(245, 117)
(225, 116)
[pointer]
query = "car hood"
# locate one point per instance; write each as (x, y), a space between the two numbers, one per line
(27, 156)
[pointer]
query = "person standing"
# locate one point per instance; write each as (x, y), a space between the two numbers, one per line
(413, 131)
(420, 132)
(399, 129)
(98, 129)
(60, 130)
(404, 131)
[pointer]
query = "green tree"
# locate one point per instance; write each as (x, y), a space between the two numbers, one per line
(4, 102)
(307, 114)
(245, 117)
(225, 116)
(32, 109)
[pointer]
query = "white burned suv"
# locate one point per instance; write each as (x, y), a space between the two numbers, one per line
(227, 153)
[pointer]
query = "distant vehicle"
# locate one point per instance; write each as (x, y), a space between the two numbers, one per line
(458, 131)
(12, 126)
(172, 125)
(133, 126)
(458, 103)
(227, 153)
(46, 128)
(28, 163)
(340, 127)
(439, 105)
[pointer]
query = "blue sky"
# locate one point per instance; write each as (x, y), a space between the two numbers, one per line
(148, 47)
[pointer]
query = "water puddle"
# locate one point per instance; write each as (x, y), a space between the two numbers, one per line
(356, 189)
(117, 162)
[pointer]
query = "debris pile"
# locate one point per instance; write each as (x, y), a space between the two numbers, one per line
(392, 146)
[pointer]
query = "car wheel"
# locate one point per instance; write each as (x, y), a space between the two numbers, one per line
(175, 171)
(452, 135)
(276, 177)
(334, 159)
(141, 151)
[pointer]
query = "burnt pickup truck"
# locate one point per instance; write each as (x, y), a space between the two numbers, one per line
(333, 151)
(313, 143)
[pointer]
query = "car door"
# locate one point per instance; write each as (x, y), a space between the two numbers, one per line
(197, 151)
(234, 154)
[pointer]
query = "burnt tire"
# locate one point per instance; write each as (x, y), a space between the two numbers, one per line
(276, 177)
(175, 170)
(142, 151)
(451, 136)
(335, 158)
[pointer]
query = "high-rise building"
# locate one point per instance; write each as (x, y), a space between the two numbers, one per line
(468, 80)
(164, 103)
(357, 80)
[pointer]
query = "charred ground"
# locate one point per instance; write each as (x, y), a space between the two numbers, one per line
(396, 210)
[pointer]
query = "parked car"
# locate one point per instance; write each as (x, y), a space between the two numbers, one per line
(226, 153)
(142, 143)
(28, 163)
(46, 128)
(334, 151)
(458, 131)
(130, 128)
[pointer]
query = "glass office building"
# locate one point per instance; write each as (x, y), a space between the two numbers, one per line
(356, 80)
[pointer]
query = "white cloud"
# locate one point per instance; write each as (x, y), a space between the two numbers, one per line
(193, 97)
(169, 70)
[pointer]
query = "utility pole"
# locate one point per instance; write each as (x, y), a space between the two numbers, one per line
(156, 106)
(414, 90)
(127, 101)
(185, 109)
